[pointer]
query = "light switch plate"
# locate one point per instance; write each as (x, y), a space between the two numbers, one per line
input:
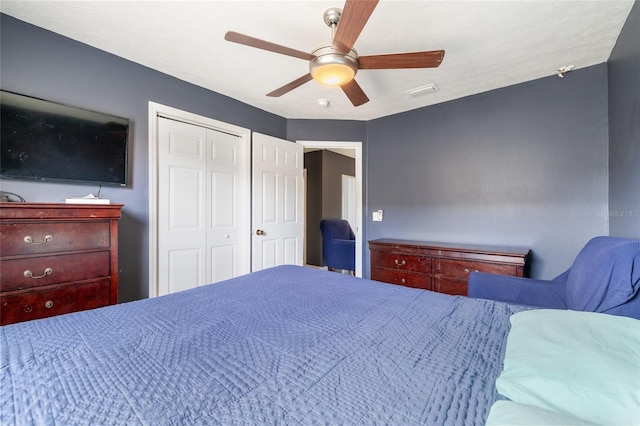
(377, 216)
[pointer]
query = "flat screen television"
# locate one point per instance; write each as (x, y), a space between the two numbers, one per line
(46, 141)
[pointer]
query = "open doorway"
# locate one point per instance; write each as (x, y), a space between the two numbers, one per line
(337, 155)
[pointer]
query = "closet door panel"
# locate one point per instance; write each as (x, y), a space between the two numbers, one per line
(181, 206)
(228, 232)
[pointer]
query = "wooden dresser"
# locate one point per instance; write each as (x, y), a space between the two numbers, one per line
(56, 259)
(440, 267)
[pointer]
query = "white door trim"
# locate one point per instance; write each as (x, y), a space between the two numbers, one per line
(357, 147)
(156, 110)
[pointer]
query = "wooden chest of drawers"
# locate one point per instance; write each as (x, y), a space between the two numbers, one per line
(56, 259)
(440, 267)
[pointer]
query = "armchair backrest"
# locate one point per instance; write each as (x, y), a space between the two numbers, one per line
(336, 229)
(338, 244)
(605, 276)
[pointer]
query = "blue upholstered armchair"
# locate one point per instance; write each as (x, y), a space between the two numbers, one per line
(605, 277)
(338, 244)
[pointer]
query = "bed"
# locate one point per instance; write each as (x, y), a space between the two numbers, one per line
(287, 345)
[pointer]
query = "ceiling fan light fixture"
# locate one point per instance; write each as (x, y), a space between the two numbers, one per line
(333, 68)
(333, 74)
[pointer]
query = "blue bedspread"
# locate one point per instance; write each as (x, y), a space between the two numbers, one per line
(288, 345)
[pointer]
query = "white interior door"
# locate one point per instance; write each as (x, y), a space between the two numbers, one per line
(202, 237)
(349, 200)
(277, 213)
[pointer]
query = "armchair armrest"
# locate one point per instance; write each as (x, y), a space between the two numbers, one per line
(517, 290)
(340, 254)
(343, 247)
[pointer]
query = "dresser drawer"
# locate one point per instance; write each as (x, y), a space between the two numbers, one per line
(50, 237)
(50, 270)
(460, 269)
(405, 262)
(450, 286)
(48, 303)
(409, 279)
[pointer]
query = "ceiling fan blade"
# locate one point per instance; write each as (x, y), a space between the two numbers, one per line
(429, 59)
(290, 86)
(355, 15)
(265, 45)
(355, 93)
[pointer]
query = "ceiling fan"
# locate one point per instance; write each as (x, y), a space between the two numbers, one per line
(336, 63)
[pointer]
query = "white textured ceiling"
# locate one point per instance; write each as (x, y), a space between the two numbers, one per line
(488, 44)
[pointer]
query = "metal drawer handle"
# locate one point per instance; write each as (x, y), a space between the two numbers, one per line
(48, 304)
(398, 263)
(29, 274)
(29, 239)
(403, 281)
(466, 270)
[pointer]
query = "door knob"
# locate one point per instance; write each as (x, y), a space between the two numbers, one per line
(260, 232)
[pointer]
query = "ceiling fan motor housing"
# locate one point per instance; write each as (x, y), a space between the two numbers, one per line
(331, 16)
(332, 67)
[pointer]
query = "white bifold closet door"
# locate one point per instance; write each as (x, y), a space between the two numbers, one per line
(203, 232)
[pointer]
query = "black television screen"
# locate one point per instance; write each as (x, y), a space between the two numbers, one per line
(42, 140)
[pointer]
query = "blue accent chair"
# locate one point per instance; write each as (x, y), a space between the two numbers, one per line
(605, 277)
(338, 245)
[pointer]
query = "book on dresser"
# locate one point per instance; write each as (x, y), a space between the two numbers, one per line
(442, 267)
(56, 259)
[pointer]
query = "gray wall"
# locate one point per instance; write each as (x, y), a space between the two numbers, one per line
(526, 165)
(624, 130)
(327, 130)
(43, 64)
(313, 164)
